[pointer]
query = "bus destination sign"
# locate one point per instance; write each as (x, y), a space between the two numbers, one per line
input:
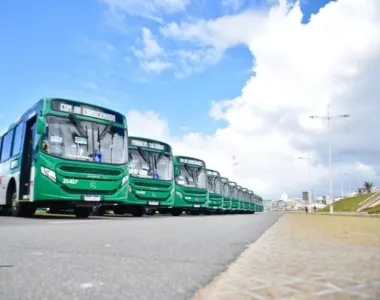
(84, 110)
(212, 173)
(146, 144)
(191, 161)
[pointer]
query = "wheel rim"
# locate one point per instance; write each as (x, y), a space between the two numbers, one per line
(14, 202)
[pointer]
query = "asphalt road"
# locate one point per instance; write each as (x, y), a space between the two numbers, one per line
(120, 257)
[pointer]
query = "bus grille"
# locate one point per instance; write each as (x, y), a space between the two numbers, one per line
(86, 170)
(88, 192)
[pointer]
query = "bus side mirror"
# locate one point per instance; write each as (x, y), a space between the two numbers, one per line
(40, 125)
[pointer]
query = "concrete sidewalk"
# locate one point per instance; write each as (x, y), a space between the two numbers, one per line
(306, 256)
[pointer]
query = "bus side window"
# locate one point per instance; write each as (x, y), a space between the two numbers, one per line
(17, 142)
(7, 146)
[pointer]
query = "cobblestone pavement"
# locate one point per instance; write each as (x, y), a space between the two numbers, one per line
(305, 257)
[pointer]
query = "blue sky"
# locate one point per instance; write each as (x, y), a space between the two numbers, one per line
(78, 49)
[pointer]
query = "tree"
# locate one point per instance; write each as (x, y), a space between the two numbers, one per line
(368, 186)
(360, 191)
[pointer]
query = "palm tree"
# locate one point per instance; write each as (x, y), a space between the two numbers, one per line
(368, 186)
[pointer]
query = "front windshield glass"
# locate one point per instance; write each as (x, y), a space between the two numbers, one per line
(150, 164)
(192, 176)
(234, 192)
(226, 189)
(85, 141)
(214, 185)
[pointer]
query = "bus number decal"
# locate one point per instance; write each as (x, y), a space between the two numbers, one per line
(70, 181)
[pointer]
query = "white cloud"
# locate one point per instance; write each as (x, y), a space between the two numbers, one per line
(299, 69)
(152, 56)
(153, 9)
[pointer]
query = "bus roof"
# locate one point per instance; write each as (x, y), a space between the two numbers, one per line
(212, 173)
(244, 189)
(189, 160)
(239, 187)
(250, 192)
(135, 142)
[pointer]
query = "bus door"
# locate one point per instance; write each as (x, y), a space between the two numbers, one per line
(27, 158)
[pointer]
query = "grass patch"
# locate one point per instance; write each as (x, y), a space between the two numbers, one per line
(373, 210)
(349, 204)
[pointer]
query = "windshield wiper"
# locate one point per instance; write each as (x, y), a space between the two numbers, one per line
(103, 134)
(78, 126)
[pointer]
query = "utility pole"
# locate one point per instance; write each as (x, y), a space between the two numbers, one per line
(329, 117)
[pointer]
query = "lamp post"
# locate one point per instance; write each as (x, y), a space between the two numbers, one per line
(311, 183)
(329, 117)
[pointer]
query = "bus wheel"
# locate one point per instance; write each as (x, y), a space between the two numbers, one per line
(82, 212)
(176, 212)
(138, 212)
(195, 212)
(150, 212)
(99, 211)
(207, 212)
(21, 209)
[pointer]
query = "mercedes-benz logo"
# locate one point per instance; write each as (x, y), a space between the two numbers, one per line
(93, 185)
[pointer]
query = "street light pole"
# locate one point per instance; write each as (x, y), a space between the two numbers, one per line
(329, 117)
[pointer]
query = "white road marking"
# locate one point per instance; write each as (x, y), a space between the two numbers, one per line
(82, 221)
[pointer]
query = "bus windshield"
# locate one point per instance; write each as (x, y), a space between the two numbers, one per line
(214, 184)
(234, 191)
(192, 176)
(85, 141)
(226, 189)
(150, 164)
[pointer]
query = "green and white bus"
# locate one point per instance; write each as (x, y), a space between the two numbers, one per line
(191, 194)
(151, 178)
(244, 200)
(234, 197)
(215, 191)
(226, 195)
(251, 202)
(64, 154)
(240, 199)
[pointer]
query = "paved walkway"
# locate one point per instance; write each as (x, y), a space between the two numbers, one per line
(306, 257)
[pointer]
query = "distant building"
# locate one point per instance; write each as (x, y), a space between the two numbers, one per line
(305, 196)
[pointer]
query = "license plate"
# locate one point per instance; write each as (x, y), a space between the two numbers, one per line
(197, 205)
(91, 198)
(153, 202)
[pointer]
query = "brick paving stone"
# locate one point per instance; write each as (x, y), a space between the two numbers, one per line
(305, 257)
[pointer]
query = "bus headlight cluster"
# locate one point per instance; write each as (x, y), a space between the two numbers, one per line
(179, 194)
(49, 173)
(124, 180)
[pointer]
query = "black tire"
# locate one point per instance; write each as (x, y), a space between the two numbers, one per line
(195, 212)
(99, 211)
(150, 212)
(138, 212)
(19, 209)
(176, 212)
(82, 212)
(207, 212)
(118, 211)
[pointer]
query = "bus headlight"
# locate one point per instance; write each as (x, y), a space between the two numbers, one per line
(49, 173)
(179, 194)
(124, 180)
(129, 189)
